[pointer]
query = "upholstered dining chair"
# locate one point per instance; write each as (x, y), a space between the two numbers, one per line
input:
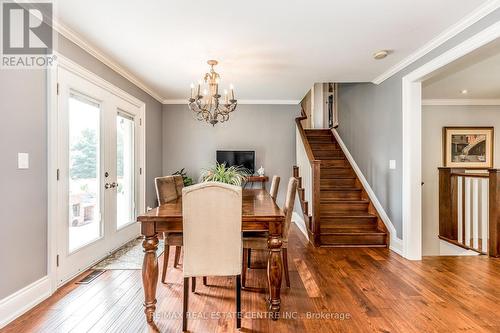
(259, 242)
(212, 229)
(169, 188)
(275, 184)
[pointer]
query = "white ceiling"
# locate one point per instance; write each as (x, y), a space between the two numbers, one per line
(270, 50)
(477, 72)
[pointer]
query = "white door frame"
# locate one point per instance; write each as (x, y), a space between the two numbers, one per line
(412, 133)
(53, 150)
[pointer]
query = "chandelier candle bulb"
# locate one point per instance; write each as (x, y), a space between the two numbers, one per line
(192, 90)
(232, 91)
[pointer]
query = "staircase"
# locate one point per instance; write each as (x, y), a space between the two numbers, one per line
(343, 215)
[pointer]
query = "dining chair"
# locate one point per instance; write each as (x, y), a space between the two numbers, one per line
(275, 184)
(212, 236)
(169, 188)
(259, 242)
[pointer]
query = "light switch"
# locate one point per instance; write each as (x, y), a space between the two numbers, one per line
(392, 164)
(23, 160)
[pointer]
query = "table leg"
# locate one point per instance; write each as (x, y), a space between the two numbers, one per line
(274, 274)
(150, 275)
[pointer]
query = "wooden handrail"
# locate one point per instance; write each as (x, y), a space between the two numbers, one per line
(307, 146)
(451, 215)
(316, 176)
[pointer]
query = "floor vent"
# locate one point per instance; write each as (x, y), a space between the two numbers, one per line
(91, 277)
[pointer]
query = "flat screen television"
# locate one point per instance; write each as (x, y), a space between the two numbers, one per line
(245, 159)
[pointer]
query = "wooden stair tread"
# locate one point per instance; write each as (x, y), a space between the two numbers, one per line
(354, 201)
(348, 215)
(341, 189)
(354, 233)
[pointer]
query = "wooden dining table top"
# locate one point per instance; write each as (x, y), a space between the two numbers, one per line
(258, 205)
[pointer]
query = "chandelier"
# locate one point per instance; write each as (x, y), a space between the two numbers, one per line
(207, 106)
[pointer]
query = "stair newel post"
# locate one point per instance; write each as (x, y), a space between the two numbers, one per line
(494, 213)
(316, 198)
(448, 204)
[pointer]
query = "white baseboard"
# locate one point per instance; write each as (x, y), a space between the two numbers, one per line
(300, 223)
(23, 300)
(396, 244)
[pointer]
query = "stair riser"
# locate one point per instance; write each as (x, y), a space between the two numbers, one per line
(340, 195)
(331, 164)
(322, 154)
(329, 209)
(338, 182)
(327, 173)
(350, 239)
(326, 146)
(348, 228)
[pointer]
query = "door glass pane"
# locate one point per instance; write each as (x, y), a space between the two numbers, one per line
(124, 170)
(84, 171)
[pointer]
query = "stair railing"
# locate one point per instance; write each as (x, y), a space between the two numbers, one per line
(310, 172)
(469, 210)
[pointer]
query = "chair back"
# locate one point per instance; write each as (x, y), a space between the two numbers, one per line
(168, 188)
(212, 229)
(288, 208)
(275, 184)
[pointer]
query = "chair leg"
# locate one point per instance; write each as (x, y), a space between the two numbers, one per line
(249, 258)
(244, 268)
(177, 256)
(193, 284)
(238, 301)
(285, 266)
(204, 280)
(185, 304)
(166, 254)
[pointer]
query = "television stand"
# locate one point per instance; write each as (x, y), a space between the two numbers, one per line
(257, 179)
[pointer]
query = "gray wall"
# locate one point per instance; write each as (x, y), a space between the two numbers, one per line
(23, 193)
(370, 124)
(267, 129)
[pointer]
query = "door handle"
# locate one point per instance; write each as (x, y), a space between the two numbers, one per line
(112, 185)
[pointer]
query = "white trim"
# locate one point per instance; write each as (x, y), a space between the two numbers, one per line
(93, 51)
(412, 132)
(243, 101)
(52, 166)
(52, 163)
(395, 241)
(461, 102)
(23, 300)
(300, 223)
(396, 245)
(476, 15)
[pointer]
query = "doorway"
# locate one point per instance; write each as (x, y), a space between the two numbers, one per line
(100, 183)
(412, 137)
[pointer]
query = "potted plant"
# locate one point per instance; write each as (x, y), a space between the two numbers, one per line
(187, 180)
(234, 175)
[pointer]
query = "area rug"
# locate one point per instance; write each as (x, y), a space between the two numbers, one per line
(129, 256)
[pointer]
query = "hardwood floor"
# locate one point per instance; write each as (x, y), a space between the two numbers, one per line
(353, 289)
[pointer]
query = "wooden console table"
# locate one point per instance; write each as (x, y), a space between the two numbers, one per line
(257, 179)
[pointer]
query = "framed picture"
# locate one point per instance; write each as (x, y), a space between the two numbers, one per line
(468, 147)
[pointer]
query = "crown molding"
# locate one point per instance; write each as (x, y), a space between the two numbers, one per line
(467, 21)
(461, 102)
(99, 55)
(243, 101)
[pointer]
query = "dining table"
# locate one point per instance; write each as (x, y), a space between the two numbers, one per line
(260, 213)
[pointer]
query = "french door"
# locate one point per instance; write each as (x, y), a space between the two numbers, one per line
(98, 172)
